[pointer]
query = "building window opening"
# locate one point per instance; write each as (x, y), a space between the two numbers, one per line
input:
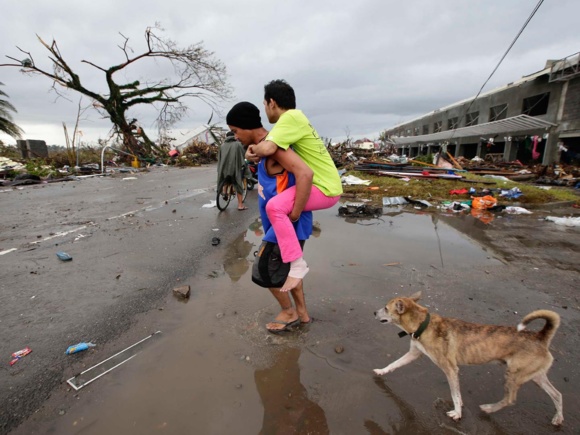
(530, 149)
(426, 129)
(536, 105)
(416, 131)
(471, 119)
(437, 127)
(497, 113)
(452, 123)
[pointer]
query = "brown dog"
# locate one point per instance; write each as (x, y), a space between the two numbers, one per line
(451, 342)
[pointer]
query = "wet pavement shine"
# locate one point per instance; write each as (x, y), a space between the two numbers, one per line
(214, 369)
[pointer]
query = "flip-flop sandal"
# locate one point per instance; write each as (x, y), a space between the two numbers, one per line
(307, 323)
(287, 326)
(242, 209)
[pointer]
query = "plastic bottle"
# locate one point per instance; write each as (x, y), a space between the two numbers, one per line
(63, 256)
(79, 347)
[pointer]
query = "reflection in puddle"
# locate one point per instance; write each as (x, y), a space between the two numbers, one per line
(363, 220)
(240, 253)
(411, 422)
(287, 408)
(435, 220)
(236, 258)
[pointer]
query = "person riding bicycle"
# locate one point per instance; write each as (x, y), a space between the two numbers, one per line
(232, 164)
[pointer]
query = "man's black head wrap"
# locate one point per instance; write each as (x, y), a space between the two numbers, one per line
(244, 115)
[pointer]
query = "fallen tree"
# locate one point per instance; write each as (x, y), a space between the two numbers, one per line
(197, 74)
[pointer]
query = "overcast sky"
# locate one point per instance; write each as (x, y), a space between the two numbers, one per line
(357, 67)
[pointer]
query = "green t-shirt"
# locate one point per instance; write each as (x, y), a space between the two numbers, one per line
(294, 129)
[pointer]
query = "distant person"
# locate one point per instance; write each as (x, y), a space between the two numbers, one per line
(231, 163)
(273, 178)
(317, 191)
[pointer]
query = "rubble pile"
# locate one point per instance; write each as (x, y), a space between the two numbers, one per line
(7, 165)
(453, 168)
(197, 153)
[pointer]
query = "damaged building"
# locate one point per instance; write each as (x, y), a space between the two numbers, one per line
(534, 120)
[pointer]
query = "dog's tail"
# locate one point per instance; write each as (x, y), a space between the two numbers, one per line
(552, 323)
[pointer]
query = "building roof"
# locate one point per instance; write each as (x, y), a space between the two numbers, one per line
(516, 83)
(513, 125)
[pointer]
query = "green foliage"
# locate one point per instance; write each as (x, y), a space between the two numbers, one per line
(39, 167)
(60, 156)
(6, 124)
(425, 159)
(9, 151)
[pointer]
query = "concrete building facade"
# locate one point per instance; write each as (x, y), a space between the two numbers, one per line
(535, 120)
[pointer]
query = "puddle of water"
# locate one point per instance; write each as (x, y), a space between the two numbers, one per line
(220, 372)
(93, 373)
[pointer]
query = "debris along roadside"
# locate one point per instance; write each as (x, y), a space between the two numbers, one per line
(378, 178)
(57, 164)
(446, 166)
(374, 184)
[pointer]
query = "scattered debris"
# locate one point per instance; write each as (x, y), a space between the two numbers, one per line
(517, 210)
(565, 221)
(197, 153)
(419, 202)
(394, 200)
(7, 165)
(211, 204)
(78, 348)
(63, 256)
(215, 241)
(511, 193)
(352, 180)
(360, 209)
(19, 354)
(484, 202)
(95, 372)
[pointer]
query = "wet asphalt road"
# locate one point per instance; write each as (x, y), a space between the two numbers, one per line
(131, 241)
(214, 370)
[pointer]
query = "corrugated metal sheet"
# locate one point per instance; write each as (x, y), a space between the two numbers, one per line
(513, 125)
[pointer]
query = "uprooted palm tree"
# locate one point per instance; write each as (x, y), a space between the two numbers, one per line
(196, 74)
(6, 122)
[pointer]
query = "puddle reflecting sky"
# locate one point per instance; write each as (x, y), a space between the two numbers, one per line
(218, 371)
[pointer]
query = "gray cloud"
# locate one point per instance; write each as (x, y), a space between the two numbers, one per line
(359, 66)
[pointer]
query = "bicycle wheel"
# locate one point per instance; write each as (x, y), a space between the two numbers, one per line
(223, 199)
(245, 191)
(250, 185)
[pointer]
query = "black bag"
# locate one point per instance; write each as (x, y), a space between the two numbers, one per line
(269, 270)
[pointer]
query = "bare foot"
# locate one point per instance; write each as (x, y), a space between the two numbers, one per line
(282, 320)
(290, 284)
(304, 317)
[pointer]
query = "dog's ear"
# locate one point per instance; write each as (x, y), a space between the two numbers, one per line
(416, 296)
(400, 306)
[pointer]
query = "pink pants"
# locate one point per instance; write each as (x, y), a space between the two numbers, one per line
(278, 209)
